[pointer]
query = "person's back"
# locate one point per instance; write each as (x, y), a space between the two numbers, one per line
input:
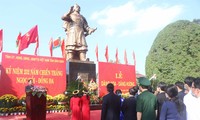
(118, 92)
(174, 108)
(75, 106)
(161, 97)
(180, 87)
(129, 105)
(111, 105)
(85, 105)
(146, 101)
(129, 108)
(170, 112)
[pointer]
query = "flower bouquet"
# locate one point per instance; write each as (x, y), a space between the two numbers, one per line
(39, 91)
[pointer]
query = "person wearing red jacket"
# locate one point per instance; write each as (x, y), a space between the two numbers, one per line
(75, 106)
(85, 100)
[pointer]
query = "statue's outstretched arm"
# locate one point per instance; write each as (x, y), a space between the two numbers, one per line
(66, 16)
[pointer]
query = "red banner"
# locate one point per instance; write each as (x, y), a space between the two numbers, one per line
(122, 76)
(16, 69)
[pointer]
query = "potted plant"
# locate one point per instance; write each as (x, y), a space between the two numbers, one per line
(11, 110)
(49, 100)
(19, 110)
(23, 109)
(1, 111)
(8, 101)
(15, 110)
(5, 111)
(60, 99)
(22, 100)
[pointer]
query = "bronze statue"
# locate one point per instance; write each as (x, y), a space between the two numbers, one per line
(76, 28)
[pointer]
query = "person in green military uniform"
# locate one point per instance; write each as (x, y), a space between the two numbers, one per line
(146, 102)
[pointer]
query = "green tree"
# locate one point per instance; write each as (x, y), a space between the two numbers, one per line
(175, 53)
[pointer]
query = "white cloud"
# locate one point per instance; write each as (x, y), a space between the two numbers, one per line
(155, 17)
(128, 19)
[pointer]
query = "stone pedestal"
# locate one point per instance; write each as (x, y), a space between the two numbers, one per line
(80, 70)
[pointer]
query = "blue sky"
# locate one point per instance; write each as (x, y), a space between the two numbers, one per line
(130, 25)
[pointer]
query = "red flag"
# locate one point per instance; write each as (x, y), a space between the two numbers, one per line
(18, 39)
(106, 53)
(134, 58)
(1, 40)
(63, 48)
(116, 56)
(97, 54)
(51, 46)
(125, 58)
(30, 37)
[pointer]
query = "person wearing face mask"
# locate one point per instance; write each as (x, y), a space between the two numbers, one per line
(119, 93)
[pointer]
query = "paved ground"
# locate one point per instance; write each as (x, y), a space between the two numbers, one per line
(95, 115)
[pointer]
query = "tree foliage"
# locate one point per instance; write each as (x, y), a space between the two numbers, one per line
(175, 53)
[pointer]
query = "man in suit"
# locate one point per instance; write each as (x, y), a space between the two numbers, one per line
(30, 86)
(129, 105)
(111, 105)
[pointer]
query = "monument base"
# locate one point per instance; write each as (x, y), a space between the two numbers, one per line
(80, 70)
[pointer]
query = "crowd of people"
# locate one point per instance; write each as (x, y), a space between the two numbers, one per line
(179, 101)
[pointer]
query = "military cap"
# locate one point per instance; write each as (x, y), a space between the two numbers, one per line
(144, 81)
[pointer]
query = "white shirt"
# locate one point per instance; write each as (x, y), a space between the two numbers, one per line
(191, 103)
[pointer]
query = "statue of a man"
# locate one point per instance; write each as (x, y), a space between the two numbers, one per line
(76, 29)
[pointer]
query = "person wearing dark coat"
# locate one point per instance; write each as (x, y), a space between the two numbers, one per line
(119, 93)
(129, 105)
(161, 97)
(111, 105)
(174, 108)
(30, 86)
(180, 87)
